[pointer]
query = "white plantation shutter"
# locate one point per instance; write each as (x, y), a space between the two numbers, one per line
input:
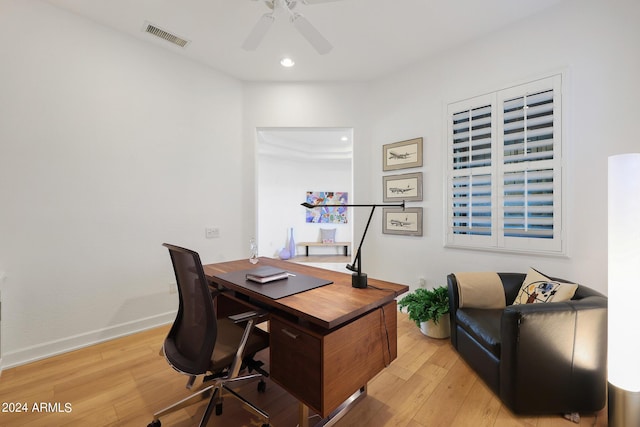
(472, 205)
(513, 198)
(528, 204)
(528, 128)
(472, 138)
(471, 152)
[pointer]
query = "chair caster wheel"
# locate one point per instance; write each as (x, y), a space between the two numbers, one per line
(154, 423)
(573, 417)
(262, 386)
(218, 408)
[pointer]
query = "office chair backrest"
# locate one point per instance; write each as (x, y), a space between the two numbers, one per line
(191, 340)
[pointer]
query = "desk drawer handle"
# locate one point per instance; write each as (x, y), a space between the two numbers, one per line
(289, 334)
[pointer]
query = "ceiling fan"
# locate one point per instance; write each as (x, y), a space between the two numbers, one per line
(304, 27)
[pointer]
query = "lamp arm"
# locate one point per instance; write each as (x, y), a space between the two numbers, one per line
(336, 205)
(358, 279)
(357, 258)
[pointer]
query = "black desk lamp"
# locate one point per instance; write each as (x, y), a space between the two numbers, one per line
(358, 278)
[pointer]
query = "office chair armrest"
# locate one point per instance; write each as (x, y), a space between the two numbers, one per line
(248, 315)
(251, 318)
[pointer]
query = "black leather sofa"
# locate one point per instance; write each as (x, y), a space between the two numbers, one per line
(538, 358)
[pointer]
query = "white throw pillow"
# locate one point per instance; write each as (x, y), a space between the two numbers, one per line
(538, 288)
(328, 235)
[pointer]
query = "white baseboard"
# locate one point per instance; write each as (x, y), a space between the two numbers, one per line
(64, 345)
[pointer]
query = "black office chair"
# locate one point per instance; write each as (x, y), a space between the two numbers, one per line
(200, 344)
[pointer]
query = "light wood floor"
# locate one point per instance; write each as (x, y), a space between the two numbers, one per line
(122, 382)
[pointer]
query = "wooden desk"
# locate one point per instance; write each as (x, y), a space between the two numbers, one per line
(328, 342)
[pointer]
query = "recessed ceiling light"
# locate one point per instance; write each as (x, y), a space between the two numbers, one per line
(344, 139)
(287, 62)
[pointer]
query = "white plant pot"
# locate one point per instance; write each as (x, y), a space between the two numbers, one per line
(440, 330)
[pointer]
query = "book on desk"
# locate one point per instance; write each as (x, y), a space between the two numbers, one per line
(266, 274)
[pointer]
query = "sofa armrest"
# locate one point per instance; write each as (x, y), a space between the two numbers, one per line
(454, 303)
(511, 283)
(550, 349)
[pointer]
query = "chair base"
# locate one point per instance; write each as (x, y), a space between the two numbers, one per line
(215, 401)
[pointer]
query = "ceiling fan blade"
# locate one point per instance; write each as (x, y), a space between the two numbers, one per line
(258, 32)
(312, 35)
(318, 1)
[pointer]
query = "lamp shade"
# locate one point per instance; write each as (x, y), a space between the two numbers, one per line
(624, 273)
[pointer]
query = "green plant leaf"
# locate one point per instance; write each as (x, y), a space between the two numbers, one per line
(426, 304)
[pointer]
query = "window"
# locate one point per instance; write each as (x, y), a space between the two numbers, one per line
(505, 169)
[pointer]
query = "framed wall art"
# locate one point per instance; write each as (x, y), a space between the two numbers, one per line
(402, 155)
(407, 222)
(327, 214)
(406, 187)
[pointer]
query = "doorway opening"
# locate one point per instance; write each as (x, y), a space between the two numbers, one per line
(290, 163)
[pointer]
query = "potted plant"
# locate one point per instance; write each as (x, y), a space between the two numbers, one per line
(429, 309)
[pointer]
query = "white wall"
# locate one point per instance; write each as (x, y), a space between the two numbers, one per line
(108, 148)
(596, 43)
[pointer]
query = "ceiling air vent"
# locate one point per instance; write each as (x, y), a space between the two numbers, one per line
(158, 32)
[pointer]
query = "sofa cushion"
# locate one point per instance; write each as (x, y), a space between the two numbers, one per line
(538, 288)
(483, 325)
(480, 290)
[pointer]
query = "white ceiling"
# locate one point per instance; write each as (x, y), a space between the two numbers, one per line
(334, 144)
(371, 38)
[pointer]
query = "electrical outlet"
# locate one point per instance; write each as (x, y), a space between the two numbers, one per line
(422, 282)
(212, 232)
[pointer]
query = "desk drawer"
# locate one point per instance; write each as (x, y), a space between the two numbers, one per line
(296, 362)
(323, 370)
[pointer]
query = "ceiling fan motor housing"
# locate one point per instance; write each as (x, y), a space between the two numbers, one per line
(289, 4)
(304, 27)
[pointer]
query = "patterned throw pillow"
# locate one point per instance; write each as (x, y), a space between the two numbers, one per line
(328, 235)
(538, 288)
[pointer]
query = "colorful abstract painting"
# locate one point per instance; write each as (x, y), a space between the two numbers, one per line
(332, 215)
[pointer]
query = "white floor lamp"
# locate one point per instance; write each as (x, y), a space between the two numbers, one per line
(624, 290)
